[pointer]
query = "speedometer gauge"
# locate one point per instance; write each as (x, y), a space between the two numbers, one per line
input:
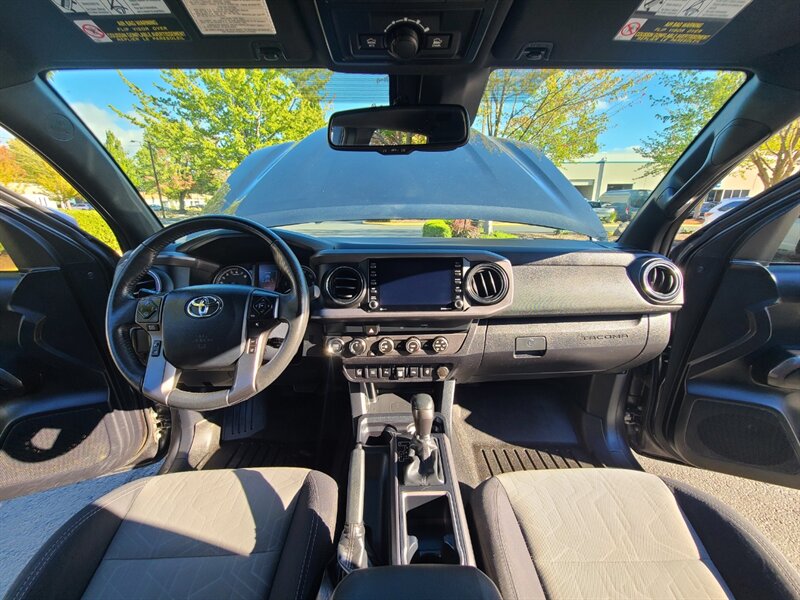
(234, 275)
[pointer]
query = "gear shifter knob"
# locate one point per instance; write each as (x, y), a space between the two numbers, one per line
(422, 410)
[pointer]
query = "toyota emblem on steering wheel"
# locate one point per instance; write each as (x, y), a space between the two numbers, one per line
(204, 306)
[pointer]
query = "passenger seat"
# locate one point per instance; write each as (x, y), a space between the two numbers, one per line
(618, 533)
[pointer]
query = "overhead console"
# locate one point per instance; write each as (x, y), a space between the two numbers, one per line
(418, 32)
(430, 286)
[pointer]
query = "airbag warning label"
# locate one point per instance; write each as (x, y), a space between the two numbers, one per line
(678, 21)
(105, 21)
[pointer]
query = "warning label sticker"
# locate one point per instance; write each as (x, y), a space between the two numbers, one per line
(231, 17)
(678, 21)
(113, 7)
(123, 20)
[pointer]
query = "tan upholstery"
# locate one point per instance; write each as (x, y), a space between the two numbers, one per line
(592, 533)
(242, 533)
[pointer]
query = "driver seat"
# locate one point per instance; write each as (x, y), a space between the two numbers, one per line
(234, 533)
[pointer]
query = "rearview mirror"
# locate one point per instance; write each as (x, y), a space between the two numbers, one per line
(399, 129)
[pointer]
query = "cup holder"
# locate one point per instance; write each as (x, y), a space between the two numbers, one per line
(430, 537)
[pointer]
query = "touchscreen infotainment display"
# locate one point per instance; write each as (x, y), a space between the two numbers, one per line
(415, 283)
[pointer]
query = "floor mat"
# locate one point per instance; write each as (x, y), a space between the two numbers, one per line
(259, 453)
(494, 460)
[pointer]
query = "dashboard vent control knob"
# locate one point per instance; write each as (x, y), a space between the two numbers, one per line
(357, 347)
(413, 345)
(385, 345)
(334, 346)
(439, 344)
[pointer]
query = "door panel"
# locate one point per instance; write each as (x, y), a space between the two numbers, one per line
(725, 396)
(65, 415)
(733, 418)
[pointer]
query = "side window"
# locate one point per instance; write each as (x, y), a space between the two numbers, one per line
(6, 262)
(23, 171)
(789, 250)
(772, 162)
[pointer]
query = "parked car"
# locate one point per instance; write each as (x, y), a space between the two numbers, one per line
(721, 208)
(626, 202)
(603, 210)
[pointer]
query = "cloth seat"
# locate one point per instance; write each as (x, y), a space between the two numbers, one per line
(236, 533)
(618, 533)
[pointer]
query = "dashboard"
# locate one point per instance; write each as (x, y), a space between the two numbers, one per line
(417, 310)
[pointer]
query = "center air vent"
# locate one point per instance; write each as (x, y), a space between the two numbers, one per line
(661, 281)
(345, 285)
(487, 283)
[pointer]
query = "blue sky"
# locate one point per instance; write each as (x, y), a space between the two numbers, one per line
(91, 92)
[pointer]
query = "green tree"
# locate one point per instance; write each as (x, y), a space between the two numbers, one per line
(9, 167)
(117, 152)
(560, 112)
(36, 170)
(694, 98)
(203, 123)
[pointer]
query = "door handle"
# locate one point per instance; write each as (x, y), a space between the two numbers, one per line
(786, 374)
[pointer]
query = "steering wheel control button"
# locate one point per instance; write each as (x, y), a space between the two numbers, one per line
(334, 346)
(439, 344)
(413, 345)
(147, 310)
(261, 305)
(357, 347)
(385, 345)
(156, 348)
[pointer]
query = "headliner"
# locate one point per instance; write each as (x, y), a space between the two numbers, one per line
(763, 39)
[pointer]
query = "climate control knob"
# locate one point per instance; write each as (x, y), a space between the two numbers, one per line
(385, 345)
(413, 345)
(357, 347)
(439, 344)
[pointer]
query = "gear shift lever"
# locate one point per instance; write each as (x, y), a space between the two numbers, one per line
(425, 467)
(422, 411)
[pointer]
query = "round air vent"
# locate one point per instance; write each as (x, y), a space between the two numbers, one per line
(661, 281)
(149, 284)
(345, 285)
(486, 283)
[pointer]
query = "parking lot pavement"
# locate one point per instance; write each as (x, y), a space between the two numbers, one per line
(27, 522)
(775, 510)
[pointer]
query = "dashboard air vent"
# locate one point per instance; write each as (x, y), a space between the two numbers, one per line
(487, 283)
(345, 285)
(150, 283)
(661, 281)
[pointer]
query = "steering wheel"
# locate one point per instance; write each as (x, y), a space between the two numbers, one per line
(205, 327)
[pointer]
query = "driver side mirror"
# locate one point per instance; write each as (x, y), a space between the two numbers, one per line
(399, 129)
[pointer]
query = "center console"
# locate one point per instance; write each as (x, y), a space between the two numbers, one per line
(404, 505)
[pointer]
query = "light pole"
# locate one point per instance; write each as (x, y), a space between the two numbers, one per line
(155, 176)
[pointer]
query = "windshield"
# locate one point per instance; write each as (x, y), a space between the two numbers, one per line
(546, 146)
